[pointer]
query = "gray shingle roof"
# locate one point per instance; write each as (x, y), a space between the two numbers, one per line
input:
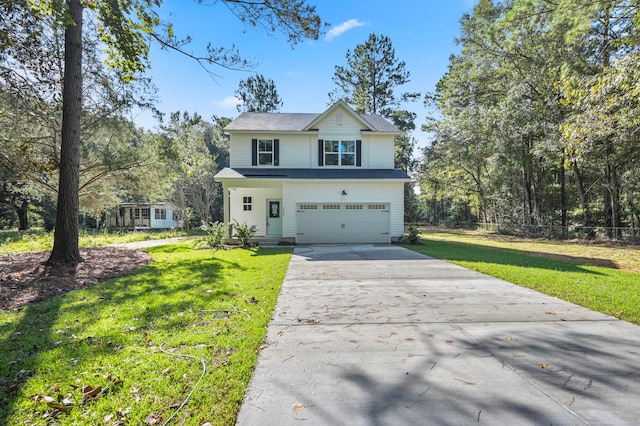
(379, 123)
(287, 122)
(319, 173)
(274, 121)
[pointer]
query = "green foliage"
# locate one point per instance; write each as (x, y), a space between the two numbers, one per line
(370, 77)
(245, 233)
(535, 118)
(610, 291)
(216, 232)
(258, 95)
(412, 236)
(368, 83)
(126, 29)
(194, 166)
(119, 351)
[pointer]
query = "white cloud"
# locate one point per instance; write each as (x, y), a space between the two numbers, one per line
(345, 26)
(229, 102)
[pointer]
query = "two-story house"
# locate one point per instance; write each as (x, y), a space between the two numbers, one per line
(315, 178)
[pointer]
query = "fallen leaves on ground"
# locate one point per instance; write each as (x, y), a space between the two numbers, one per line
(25, 279)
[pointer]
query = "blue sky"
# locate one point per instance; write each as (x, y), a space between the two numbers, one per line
(421, 31)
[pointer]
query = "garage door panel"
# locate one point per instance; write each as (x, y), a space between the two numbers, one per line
(343, 223)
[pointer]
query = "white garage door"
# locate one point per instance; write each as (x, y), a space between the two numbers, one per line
(343, 223)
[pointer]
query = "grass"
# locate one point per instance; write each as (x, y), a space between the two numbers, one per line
(134, 348)
(595, 253)
(585, 277)
(38, 240)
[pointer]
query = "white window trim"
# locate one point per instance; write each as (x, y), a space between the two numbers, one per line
(247, 204)
(340, 153)
(271, 152)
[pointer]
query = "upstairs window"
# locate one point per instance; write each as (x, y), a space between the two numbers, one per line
(265, 152)
(339, 153)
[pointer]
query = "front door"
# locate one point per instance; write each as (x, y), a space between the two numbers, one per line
(274, 217)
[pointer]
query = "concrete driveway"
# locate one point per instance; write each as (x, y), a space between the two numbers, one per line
(381, 335)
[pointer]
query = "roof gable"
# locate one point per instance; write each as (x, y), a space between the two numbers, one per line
(300, 122)
(340, 106)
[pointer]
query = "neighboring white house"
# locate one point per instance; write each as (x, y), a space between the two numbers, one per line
(145, 216)
(315, 178)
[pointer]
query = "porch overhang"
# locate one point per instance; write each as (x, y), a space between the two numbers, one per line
(230, 175)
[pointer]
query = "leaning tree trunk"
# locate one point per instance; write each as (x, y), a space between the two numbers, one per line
(65, 243)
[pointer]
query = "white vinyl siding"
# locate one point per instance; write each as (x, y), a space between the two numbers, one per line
(330, 130)
(301, 150)
(240, 151)
(295, 151)
(379, 153)
(349, 126)
(257, 216)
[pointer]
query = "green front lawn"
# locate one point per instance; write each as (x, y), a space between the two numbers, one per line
(605, 289)
(185, 329)
(38, 240)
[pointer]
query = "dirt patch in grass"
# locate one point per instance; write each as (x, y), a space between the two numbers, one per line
(24, 279)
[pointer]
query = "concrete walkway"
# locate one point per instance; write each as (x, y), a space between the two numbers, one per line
(153, 243)
(380, 335)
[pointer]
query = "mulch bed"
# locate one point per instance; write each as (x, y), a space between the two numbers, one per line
(24, 279)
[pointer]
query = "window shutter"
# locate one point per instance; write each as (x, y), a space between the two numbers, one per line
(276, 152)
(320, 152)
(254, 152)
(358, 153)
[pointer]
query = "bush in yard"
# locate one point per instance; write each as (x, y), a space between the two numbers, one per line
(412, 236)
(215, 234)
(244, 233)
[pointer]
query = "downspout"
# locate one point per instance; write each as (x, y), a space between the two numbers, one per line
(227, 212)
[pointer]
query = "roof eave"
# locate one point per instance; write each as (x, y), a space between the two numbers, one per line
(279, 132)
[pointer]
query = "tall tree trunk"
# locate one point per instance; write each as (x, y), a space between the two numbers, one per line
(612, 199)
(529, 198)
(584, 200)
(563, 197)
(65, 243)
(528, 182)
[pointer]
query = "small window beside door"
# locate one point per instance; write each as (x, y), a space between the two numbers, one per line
(246, 204)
